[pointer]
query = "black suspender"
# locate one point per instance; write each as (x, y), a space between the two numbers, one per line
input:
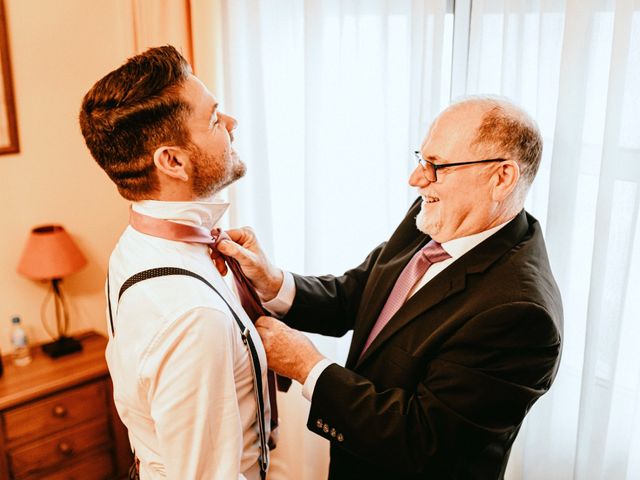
(246, 339)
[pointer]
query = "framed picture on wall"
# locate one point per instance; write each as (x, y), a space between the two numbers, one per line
(8, 125)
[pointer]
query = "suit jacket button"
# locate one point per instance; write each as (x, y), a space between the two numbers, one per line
(325, 428)
(319, 423)
(340, 437)
(333, 432)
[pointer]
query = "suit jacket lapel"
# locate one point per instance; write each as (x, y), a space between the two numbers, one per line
(449, 281)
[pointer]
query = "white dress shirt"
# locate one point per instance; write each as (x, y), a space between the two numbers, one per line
(456, 248)
(182, 377)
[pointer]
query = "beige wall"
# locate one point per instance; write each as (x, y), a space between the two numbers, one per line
(59, 48)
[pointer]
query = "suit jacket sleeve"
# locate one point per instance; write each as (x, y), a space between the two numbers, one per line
(479, 387)
(328, 304)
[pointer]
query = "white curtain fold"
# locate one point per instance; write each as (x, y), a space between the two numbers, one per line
(587, 195)
(604, 404)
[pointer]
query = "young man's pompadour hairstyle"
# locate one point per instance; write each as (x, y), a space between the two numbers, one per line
(132, 111)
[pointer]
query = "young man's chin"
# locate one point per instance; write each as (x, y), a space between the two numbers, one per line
(239, 170)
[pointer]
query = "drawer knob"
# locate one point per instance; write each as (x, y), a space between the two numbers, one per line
(65, 449)
(60, 411)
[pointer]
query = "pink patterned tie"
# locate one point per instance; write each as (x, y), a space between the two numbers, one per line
(431, 253)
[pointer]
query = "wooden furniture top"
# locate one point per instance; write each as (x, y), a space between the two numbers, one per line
(48, 375)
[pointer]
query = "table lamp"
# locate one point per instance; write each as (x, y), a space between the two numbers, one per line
(49, 255)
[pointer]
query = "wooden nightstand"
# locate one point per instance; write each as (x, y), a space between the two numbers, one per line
(57, 419)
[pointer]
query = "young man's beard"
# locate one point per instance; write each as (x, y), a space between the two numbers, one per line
(212, 173)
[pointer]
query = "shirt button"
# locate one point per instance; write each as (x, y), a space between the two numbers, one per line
(319, 423)
(325, 428)
(340, 437)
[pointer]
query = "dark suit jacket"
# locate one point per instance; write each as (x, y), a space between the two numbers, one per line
(442, 391)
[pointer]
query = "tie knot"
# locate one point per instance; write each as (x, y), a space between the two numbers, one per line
(218, 235)
(434, 252)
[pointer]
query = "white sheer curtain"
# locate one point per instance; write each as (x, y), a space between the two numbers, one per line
(331, 96)
(575, 65)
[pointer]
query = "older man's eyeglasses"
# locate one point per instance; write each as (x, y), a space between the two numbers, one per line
(430, 169)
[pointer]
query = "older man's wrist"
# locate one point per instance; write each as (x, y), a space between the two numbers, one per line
(307, 366)
(272, 286)
(281, 303)
(309, 384)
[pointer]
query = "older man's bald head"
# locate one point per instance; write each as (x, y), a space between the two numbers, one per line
(506, 131)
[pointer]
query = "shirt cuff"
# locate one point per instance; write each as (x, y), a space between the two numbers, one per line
(310, 383)
(280, 305)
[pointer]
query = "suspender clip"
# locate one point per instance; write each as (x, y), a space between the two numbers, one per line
(245, 334)
(264, 463)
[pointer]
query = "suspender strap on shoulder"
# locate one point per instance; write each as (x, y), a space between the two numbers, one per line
(113, 332)
(246, 339)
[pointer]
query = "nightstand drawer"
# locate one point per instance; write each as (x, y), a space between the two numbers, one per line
(98, 466)
(59, 450)
(56, 412)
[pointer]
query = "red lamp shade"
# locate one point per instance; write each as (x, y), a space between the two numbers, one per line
(50, 253)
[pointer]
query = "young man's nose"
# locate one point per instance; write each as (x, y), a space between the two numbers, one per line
(230, 122)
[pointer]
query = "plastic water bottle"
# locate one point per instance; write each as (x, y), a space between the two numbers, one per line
(21, 354)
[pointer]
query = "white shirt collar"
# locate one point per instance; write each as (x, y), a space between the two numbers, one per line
(202, 213)
(459, 246)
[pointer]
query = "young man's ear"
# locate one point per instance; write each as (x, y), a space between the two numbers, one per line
(171, 161)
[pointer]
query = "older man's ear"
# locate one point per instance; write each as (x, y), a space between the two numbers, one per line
(505, 180)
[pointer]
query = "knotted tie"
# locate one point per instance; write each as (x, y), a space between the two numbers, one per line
(249, 299)
(431, 253)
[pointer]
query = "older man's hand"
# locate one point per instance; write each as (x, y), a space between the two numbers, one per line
(289, 352)
(245, 248)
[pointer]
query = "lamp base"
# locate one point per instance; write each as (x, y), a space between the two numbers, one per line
(62, 346)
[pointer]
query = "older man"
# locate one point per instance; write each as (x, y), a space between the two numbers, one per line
(456, 323)
(188, 367)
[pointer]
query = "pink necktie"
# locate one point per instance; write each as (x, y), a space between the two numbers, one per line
(249, 299)
(431, 253)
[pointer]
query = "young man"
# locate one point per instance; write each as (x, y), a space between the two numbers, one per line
(184, 381)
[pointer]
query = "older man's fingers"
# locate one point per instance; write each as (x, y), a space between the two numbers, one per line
(244, 236)
(220, 264)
